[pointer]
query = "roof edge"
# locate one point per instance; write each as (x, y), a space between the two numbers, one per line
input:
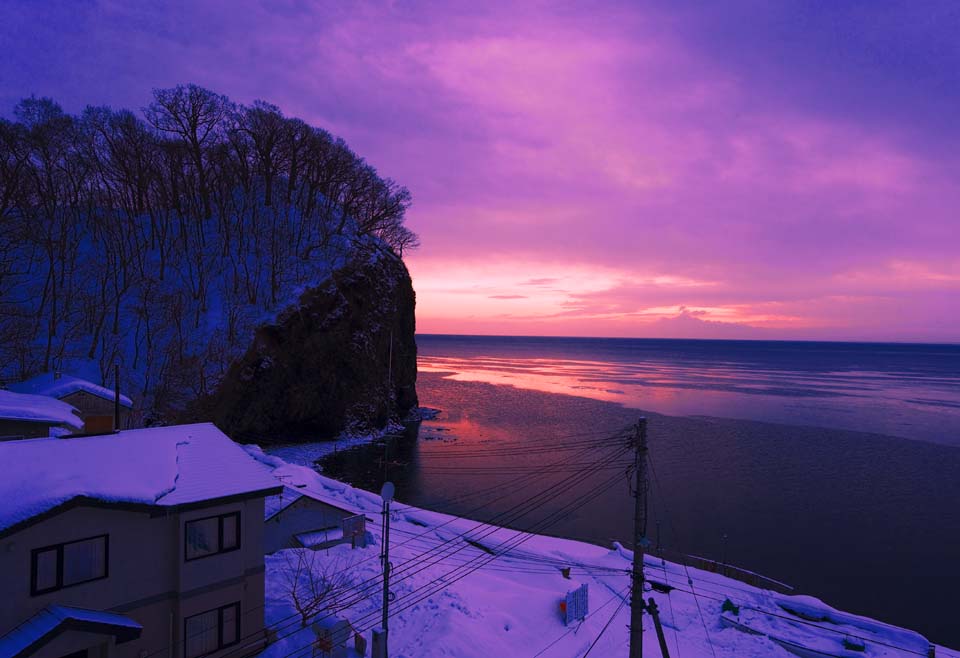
(146, 508)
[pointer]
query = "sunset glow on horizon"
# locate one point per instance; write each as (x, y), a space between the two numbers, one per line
(628, 169)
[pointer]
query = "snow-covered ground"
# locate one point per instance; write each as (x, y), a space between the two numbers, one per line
(308, 453)
(463, 588)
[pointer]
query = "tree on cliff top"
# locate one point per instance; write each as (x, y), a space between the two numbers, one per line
(160, 242)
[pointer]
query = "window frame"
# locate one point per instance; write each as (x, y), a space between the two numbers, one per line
(34, 553)
(220, 549)
(220, 645)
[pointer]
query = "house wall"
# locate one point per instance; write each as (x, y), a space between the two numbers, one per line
(98, 409)
(302, 515)
(96, 645)
(18, 429)
(148, 579)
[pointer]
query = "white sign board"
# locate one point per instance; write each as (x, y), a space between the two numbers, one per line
(576, 605)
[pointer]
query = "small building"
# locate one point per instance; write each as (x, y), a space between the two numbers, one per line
(300, 517)
(140, 543)
(96, 404)
(24, 416)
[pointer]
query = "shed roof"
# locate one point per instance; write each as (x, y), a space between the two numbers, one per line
(162, 466)
(55, 386)
(276, 504)
(54, 619)
(37, 409)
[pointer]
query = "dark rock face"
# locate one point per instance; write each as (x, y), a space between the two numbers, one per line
(343, 358)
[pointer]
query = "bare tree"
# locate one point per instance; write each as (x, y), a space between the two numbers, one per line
(195, 115)
(311, 579)
(119, 235)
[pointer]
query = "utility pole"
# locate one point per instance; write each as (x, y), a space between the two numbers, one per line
(639, 538)
(655, 613)
(386, 493)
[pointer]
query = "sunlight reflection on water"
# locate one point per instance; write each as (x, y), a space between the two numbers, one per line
(912, 393)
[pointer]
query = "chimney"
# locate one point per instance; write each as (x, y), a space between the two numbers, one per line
(116, 396)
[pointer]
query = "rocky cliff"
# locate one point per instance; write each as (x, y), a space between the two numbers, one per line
(342, 358)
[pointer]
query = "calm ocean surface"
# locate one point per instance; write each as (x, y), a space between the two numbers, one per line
(911, 391)
(834, 467)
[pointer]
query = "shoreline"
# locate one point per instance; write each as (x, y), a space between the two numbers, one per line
(773, 489)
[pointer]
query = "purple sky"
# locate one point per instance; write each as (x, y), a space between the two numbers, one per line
(681, 169)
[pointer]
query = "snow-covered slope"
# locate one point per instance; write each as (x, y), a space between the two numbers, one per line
(452, 598)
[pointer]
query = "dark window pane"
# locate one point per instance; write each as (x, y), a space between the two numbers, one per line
(231, 532)
(202, 537)
(201, 634)
(46, 570)
(231, 629)
(84, 560)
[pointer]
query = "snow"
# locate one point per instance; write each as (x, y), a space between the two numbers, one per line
(310, 452)
(57, 387)
(37, 409)
(47, 620)
(318, 537)
(510, 606)
(163, 466)
(273, 505)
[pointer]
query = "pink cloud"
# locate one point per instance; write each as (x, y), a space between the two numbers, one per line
(573, 169)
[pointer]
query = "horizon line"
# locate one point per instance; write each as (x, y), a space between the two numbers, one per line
(703, 340)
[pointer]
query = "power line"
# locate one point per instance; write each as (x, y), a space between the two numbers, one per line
(605, 627)
(374, 582)
(617, 595)
(516, 541)
(576, 468)
(663, 501)
(408, 603)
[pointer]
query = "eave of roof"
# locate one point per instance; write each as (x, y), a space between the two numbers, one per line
(44, 626)
(86, 501)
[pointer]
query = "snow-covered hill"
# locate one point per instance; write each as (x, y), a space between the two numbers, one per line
(463, 588)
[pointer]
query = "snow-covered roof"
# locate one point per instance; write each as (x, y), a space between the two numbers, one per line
(163, 466)
(57, 387)
(37, 409)
(273, 505)
(20, 640)
(276, 504)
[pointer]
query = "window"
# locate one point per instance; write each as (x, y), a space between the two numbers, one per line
(71, 563)
(212, 630)
(212, 535)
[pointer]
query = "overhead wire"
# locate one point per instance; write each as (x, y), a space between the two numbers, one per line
(656, 482)
(617, 595)
(605, 627)
(517, 541)
(433, 590)
(368, 585)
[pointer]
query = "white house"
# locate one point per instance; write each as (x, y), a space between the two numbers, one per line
(139, 543)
